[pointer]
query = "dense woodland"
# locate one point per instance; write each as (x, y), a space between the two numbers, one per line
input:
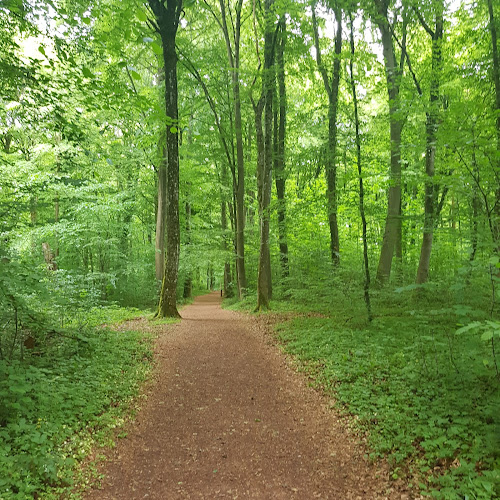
(338, 159)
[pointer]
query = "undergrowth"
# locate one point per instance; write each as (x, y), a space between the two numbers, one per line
(420, 380)
(62, 398)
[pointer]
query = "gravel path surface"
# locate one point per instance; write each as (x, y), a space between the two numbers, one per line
(228, 418)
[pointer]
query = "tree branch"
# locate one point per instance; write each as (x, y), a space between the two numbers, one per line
(319, 62)
(423, 23)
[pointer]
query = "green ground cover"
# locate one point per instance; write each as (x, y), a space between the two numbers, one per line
(56, 404)
(420, 380)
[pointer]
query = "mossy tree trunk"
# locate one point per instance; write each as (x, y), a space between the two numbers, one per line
(167, 21)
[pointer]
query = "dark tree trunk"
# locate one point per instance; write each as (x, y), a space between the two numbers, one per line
(496, 79)
(265, 162)
(332, 89)
(234, 64)
(160, 215)
(366, 262)
(167, 20)
(393, 75)
(228, 285)
(279, 160)
(188, 280)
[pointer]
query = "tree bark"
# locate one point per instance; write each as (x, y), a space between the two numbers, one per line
(167, 20)
(234, 65)
(366, 287)
(393, 75)
(228, 285)
(431, 128)
(496, 80)
(265, 161)
(332, 90)
(160, 216)
(279, 159)
(188, 280)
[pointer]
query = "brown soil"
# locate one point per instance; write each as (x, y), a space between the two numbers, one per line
(228, 418)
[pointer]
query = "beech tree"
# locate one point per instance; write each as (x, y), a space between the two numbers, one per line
(166, 24)
(332, 90)
(393, 72)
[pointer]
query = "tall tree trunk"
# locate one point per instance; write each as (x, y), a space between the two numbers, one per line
(228, 290)
(332, 89)
(393, 75)
(234, 65)
(496, 79)
(431, 129)
(160, 214)
(366, 262)
(228, 285)
(265, 162)
(279, 160)
(167, 20)
(188, 280)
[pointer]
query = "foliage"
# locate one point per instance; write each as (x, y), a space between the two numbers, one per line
(81, 121)
(57, 405)
(426, 393)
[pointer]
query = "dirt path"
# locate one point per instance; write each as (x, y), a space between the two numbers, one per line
(228, 418)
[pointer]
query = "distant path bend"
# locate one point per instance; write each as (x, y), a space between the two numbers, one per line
(227, 418)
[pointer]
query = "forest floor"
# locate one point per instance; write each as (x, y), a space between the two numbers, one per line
(228, 417)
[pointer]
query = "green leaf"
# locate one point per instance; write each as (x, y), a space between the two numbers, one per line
(494, 260)
(157, 49)
(486, 336)
(87, 73)
(41, 49)
(493, 324)
(141, 15)
(86, 20)
(470, 326)
(135, 75)
(173, 130)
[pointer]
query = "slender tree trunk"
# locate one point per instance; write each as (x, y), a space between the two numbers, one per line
(332, 89)
(496, 79)
(188, 280)
(228, 286)
(160, 215)
(279, 161)
(393, 74)
(234, 64)
(430, 150)
(476, 206)
(366, 287)
(228, 291)
(167, 19)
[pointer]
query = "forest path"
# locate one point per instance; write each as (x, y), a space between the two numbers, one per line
(227, 418)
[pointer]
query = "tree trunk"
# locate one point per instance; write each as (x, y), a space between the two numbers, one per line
(188, 280)
(431, 128)
(234, 65)
(160, 216)
(332, 89)
(167, 18)
(279, 160)
(496, 79)
(393, 74)
(265, 162)
(228, 286)
(366, 286)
